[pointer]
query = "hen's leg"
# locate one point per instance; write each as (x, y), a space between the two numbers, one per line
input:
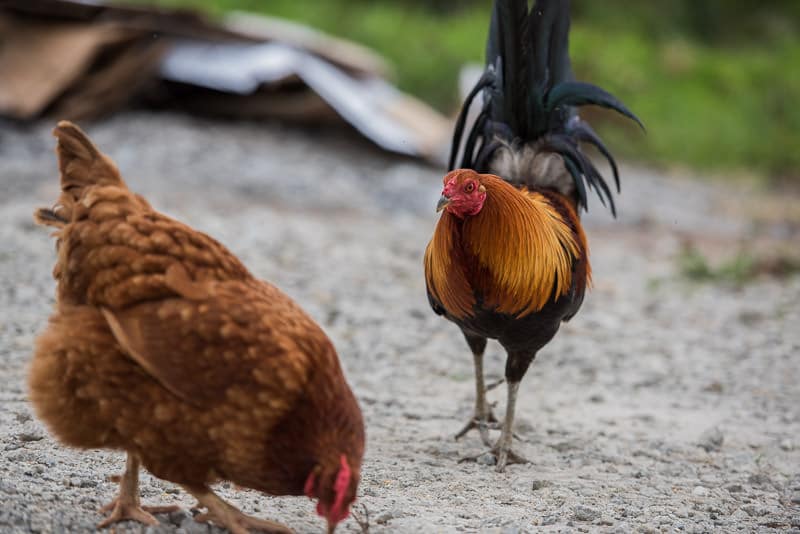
(127, 507)
(224, 514)
(483, 419)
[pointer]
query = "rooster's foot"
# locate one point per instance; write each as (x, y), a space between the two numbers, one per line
(483, 426)
(494, 384)
(503, 456)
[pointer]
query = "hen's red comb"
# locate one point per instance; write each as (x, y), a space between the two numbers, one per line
(340, 490)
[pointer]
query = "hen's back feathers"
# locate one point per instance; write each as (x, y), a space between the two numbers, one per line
(114, 249)
(530, 102)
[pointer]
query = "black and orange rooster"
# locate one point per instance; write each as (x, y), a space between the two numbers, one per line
(508, 259)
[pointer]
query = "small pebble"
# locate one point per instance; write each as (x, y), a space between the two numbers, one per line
(30, 436)
(539, 484)
(700, 491)
(549, 520)
(486, 459)
(711, 440)
(759, 479)
(193, 527)
(585, 513)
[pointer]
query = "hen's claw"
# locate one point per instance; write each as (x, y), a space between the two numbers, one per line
(127, 510)
(241, 523)
(126, 507)
(224, 514)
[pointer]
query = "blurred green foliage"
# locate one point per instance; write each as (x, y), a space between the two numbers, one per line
(715, 81)
(746, 265)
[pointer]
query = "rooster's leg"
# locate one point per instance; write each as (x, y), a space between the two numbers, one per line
(502, 449)
(483, 419)
(126, 507)
(224, 514)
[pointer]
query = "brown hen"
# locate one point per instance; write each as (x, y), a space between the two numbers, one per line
(163, 345)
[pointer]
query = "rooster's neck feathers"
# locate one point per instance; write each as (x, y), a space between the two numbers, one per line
(515, 255)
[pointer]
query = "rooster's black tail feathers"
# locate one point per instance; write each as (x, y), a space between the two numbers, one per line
(530, 97)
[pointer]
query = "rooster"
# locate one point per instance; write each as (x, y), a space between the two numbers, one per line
(508, 259)
(163, 345)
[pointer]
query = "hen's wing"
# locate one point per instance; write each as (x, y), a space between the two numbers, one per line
(245, 343)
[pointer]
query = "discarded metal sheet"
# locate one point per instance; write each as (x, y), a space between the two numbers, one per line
(81, 59)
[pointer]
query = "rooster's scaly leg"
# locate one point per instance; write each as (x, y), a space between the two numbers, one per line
(127, 507)
(224, 514)
(502, 449)
(483, 419)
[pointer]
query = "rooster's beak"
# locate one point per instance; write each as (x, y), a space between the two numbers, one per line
(443, 202)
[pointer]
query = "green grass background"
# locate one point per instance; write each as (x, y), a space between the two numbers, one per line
(715, 81)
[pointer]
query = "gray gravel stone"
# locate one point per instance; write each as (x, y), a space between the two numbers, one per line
(486, 459)
(539, 484)
(711, 440)
(585, 513)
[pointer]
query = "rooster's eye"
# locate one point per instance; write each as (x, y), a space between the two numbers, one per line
(469, 187)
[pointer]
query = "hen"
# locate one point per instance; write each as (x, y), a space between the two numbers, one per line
(508, 259)
(163, 345)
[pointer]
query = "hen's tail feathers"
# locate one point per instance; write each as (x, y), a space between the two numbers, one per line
(80, 162)
(50, 217)
(82, 165)
(530, 98)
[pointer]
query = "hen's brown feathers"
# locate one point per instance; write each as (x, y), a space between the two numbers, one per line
(235, 336)
(157, 325)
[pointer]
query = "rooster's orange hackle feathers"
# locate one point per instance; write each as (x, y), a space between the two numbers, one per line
(518, 252)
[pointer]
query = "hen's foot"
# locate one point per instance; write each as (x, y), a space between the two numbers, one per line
(224, 514)
(127, 510)
(503, 456)
(126, 507)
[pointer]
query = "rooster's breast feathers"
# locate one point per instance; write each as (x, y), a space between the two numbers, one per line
(513, 257)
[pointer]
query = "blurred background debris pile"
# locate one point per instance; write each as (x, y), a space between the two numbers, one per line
(80, 59)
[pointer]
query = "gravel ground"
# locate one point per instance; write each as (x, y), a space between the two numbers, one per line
(664, 406)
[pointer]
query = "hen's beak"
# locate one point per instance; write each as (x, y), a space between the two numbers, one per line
(443, 202)
(331, 527)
